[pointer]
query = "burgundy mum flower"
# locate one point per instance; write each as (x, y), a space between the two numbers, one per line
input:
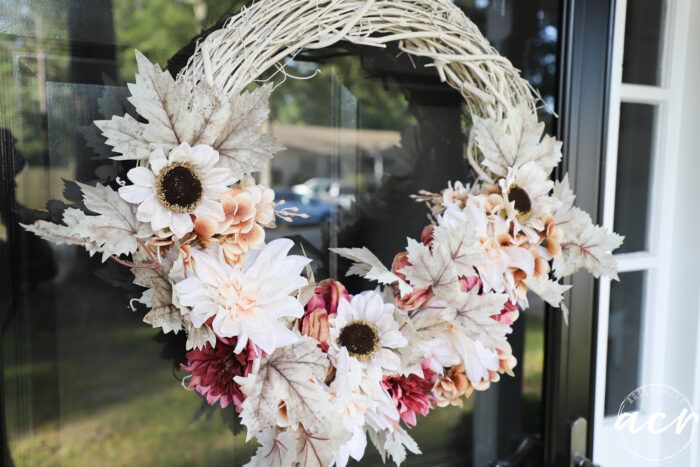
(412, 394)
(213, 370)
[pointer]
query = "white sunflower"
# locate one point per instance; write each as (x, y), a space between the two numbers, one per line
(175, 187)
(526, 191)
(366, 328)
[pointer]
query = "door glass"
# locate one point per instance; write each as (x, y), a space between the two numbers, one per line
(84, 380)
(644, 42)
(635, 156)
(624, 338)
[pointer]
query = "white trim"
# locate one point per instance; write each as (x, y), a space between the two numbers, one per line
(657, 260)
(641, 94)
(627, 262)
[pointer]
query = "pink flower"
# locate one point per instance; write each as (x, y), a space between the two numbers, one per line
(323, 303)
(418, 297)
(327, 294)
(213, 370)
(509, 313)
(412, 394)
(426, 236)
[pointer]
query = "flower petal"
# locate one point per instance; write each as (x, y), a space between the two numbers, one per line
(135, 194)
(141, 176)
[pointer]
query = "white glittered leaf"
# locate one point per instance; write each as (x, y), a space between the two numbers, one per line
(115, 229)
(318, 449)
(367, 265)
(550, 291)
(514, 141)
(586, 245)
(460, 243)
(276, 449)
(394, 444)
(241, 147)
(472, 314)
(125, 134)
(436, 270)
(564, 194)
(61, 234)
(291, 374)
(159, 297)
(197, 338)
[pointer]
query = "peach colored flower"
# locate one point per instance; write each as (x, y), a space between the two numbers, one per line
(449, 389)
(553, 235)
(315, 324)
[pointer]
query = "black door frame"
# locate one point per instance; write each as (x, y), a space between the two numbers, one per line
(570, 350)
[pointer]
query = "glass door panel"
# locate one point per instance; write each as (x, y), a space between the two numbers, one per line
(84, 380)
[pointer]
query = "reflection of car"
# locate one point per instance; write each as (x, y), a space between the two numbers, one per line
(317, 210)
(327, 190)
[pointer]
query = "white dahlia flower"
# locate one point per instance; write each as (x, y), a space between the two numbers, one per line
(246, 302)
(175, 187)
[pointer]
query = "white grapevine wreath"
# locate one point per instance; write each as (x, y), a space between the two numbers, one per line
(295, 357)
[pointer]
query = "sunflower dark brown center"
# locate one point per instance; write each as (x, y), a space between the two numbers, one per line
(522, 202)
(179, 188)
(360, 338)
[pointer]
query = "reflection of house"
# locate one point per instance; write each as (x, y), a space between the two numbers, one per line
(354, 156)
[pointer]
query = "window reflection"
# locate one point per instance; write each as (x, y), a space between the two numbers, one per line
(84, 378)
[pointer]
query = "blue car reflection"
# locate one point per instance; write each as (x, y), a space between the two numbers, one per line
(317, 210)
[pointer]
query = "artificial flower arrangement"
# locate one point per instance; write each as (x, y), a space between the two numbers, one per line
(313, 371)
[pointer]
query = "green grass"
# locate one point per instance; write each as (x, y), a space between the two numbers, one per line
(120, 404)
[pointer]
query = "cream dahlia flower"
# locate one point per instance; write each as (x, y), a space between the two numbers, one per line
(175, 187)
(247, 301)
(366, 328)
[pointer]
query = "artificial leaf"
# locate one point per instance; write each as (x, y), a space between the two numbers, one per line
(115, 229)
(159, 297)
(318, 449)
(550, 291)
(460, 243)
(515, 140)
(277, 449)
(436, 269)
(394, 444)
(367, 265)
(198, 338)
(586, 245)
(125, 134)
(291, 374)
(241, 147)
(473, 314)
(62, 234)
(565, 195)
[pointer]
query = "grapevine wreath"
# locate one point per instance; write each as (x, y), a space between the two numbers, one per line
(313, 371)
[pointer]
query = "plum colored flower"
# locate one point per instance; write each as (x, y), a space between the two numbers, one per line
(213, 369)
(412, 394)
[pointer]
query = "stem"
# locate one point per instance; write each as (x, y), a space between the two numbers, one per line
(155, 263)
(155, 266)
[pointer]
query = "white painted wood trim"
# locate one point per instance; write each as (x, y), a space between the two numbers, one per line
(641, 94)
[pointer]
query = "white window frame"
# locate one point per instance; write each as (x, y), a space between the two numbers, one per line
(656, 261)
